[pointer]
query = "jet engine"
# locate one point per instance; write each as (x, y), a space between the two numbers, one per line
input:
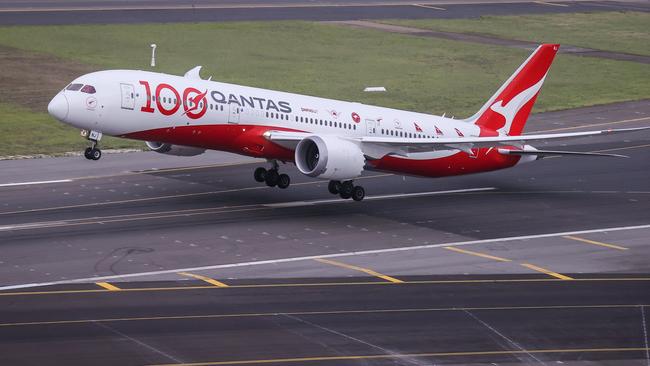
(176, 150)
(329, 157)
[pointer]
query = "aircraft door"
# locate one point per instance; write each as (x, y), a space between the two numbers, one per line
(371, 127)
(128, 97)
(235, 111)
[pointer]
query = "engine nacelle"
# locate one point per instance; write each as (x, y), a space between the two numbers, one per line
(329, 157)
(176, 150)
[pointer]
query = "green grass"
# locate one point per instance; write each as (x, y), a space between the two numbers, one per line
(23, 132)
(422, 74)
(627, 32)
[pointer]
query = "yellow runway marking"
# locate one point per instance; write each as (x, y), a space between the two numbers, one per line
(108, 286)
(324, 284)
(593, 125)
(324, 312)
(390, 356)
(360, 269)
(428, 6)
(465, 251)
(546, 271)
(203, 278)
(595, 242)
(551, 4)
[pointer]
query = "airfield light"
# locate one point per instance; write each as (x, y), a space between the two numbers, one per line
(153, 55)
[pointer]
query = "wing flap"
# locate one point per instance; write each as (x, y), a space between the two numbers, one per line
(544, 153)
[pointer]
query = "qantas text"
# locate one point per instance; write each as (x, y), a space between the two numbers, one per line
(195, 104)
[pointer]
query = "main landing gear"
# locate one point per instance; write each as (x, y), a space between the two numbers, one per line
(93, 152)
(346, 190)
(271, 177)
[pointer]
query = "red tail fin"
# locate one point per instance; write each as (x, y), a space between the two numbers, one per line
(508, 109)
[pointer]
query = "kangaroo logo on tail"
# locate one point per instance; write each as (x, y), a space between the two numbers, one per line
(510, 110)
(507, 111)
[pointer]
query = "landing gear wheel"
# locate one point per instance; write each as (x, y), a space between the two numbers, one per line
(87, 153)
(358, 193)
(334, 186)
(284, 181)
(346, 190)
(260, 174)
(272, 178)
(95, 154)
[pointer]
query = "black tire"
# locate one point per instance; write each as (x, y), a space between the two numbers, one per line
(96, 154)
(334, 186)
(358, 193)
(284, 181)
(87, 153)
(346, 190)
(260, 174)
(272, 177)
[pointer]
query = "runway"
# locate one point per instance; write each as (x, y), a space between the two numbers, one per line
(110, 262)
(103, 12)
(396, 324)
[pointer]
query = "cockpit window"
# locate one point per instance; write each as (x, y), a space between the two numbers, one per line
(88, 89)
(74, 87)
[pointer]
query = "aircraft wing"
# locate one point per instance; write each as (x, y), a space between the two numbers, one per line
(406, 145)
(287, 139)
(377, 147)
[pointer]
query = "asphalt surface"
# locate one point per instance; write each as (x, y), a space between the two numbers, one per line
(102, 12)
(195, 262)
(574, 322)
(98, 223)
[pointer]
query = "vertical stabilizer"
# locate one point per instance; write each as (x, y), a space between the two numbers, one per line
(507, 110)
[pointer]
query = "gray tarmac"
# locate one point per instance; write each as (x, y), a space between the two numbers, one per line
(145, 259)
(132, 261)
(105, 12)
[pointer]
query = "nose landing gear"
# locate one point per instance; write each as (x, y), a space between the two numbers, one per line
(271, 177)
(92, 152)
(346, 190)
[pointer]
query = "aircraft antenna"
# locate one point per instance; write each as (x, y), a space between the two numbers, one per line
(153, 55)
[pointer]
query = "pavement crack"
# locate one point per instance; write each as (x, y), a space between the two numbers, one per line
(510, 341)
(121, 254)
(139, 342)
(405, 360)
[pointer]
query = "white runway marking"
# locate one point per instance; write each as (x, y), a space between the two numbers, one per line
(210, 211)
(296, 259)
(33, 183)
(378, 197)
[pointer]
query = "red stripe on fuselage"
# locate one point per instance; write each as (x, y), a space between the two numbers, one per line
(458, 164)
(249, 140)
(235, 138)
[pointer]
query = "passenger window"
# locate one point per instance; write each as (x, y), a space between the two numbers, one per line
(74, 87)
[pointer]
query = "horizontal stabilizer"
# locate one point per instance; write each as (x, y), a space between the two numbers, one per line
(543, 153)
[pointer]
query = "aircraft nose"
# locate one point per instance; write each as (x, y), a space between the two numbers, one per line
(58, 107)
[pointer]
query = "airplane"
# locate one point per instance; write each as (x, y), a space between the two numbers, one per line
(325, 138)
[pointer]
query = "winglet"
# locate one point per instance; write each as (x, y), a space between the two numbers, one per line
(194, 73)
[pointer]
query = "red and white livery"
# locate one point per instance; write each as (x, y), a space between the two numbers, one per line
(324, 138)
